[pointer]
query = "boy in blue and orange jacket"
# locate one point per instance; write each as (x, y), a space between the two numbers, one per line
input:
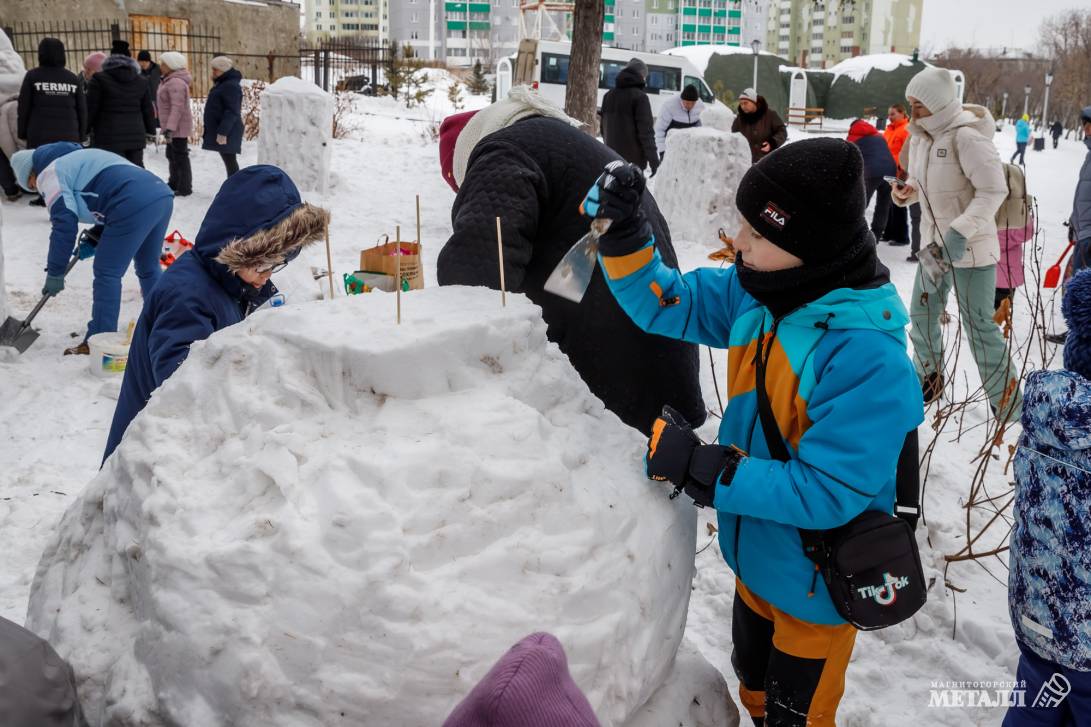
(808, 294)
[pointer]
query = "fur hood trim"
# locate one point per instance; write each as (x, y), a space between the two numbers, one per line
(272, 246)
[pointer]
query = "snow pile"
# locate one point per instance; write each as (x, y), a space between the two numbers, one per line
(3, 291)
(700, 55)
(718, 116)
(859, 67)
(297, 132)
(326, 518)
(696, 183)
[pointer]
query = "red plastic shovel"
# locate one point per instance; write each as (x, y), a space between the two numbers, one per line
(1053, 275)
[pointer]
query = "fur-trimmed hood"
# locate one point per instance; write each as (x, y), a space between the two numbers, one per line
(256, 220)
(306, 224)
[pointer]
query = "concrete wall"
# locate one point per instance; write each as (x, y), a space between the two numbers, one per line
(248, 31)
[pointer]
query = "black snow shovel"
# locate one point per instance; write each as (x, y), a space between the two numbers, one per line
(18, 334)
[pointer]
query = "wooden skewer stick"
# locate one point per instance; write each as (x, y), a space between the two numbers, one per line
(329, 259)
(500, 249)
(398, 270)
(418, 224)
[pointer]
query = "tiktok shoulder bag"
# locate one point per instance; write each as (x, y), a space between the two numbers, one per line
(871, 565)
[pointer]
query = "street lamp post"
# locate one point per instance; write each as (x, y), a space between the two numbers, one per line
(756, 45)
(1026, 99)
(1045, 104)
(1004, 108)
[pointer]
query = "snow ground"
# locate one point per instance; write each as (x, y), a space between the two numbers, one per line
(54, 414)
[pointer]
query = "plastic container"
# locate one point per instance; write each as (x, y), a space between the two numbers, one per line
(109, 354)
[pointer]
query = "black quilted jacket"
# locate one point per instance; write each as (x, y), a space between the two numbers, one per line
(533, 175)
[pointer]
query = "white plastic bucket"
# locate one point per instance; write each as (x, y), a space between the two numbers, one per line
(109, 353)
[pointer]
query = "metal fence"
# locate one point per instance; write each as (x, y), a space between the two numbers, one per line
(334, 65)
(153, 34)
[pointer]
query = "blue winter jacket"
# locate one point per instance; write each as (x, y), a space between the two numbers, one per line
(1049, 573)
(198, 296)
(92, 186)
(841, 387)
(878, 161)
(1081, 204)
(1022, 131)
(223, 113)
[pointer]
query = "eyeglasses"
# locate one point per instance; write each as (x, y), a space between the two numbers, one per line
(277, 267)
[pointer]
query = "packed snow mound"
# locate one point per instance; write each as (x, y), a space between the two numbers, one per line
(323, 518)
(696, 183)
(718, 116)
(297, 132)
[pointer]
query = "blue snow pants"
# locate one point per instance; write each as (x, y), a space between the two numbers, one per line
(1056, 696)
(136, 238)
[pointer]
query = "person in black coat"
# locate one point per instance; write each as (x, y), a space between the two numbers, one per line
(151, 72)
(120, 109)
(878, 163)
(533, 172)
(51, 101)
(627, 124)
(223, 113)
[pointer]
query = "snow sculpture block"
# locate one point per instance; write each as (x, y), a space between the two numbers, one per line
(297, 132)
(696, 183)
(3, 289)
(323, 518)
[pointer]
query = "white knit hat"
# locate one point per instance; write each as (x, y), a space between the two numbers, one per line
(173, 60)
(749, 95)
(222, 63)
(934, 87)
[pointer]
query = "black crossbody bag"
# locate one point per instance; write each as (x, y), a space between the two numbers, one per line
(871, 565)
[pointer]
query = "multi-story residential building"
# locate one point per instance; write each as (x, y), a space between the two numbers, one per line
(818, 35)
(367, 19)
(710, 22)
(660, 25)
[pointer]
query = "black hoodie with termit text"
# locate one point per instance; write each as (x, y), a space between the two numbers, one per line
(51, 101)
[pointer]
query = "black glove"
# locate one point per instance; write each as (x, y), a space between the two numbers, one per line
(677, 455)
(617, 195)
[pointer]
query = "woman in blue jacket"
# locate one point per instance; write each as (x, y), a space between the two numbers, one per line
(1049, 574)
(255, 226)
(1022, 138)
(223, 113)
(808, 295)
(129, 206)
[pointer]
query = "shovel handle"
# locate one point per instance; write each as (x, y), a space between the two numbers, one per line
(41, 303)
(599, 226)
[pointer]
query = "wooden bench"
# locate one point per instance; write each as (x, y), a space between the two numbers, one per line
(805, 116)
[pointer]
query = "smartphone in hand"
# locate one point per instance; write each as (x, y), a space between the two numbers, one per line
(895, 181)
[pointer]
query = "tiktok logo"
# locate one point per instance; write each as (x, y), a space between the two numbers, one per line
(884, 594)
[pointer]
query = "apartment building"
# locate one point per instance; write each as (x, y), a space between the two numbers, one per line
(819, 35)
(366, 19)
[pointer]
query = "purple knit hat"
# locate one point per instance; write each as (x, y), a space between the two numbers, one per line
(529, 687)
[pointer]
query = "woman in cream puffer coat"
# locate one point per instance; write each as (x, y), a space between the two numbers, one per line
(12, 71)
(956, 174)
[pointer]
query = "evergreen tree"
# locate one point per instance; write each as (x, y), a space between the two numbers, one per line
(477, 84)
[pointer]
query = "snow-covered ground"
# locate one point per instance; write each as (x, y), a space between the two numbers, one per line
(54, 414)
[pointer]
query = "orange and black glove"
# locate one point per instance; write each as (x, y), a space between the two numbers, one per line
(677, 455)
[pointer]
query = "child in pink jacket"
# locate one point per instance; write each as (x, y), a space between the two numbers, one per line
(1009, 271)
(176, 120)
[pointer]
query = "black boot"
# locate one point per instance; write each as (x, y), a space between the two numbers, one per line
(931, 388)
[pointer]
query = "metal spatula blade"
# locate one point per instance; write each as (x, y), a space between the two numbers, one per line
(572, 275)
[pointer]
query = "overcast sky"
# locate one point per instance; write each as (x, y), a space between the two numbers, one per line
(987, 23)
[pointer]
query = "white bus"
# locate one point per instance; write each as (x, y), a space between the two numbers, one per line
(544, 65)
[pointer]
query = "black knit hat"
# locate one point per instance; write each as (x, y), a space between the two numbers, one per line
(806, 198)
(120, 48)
(689, 93)
(144, 56)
